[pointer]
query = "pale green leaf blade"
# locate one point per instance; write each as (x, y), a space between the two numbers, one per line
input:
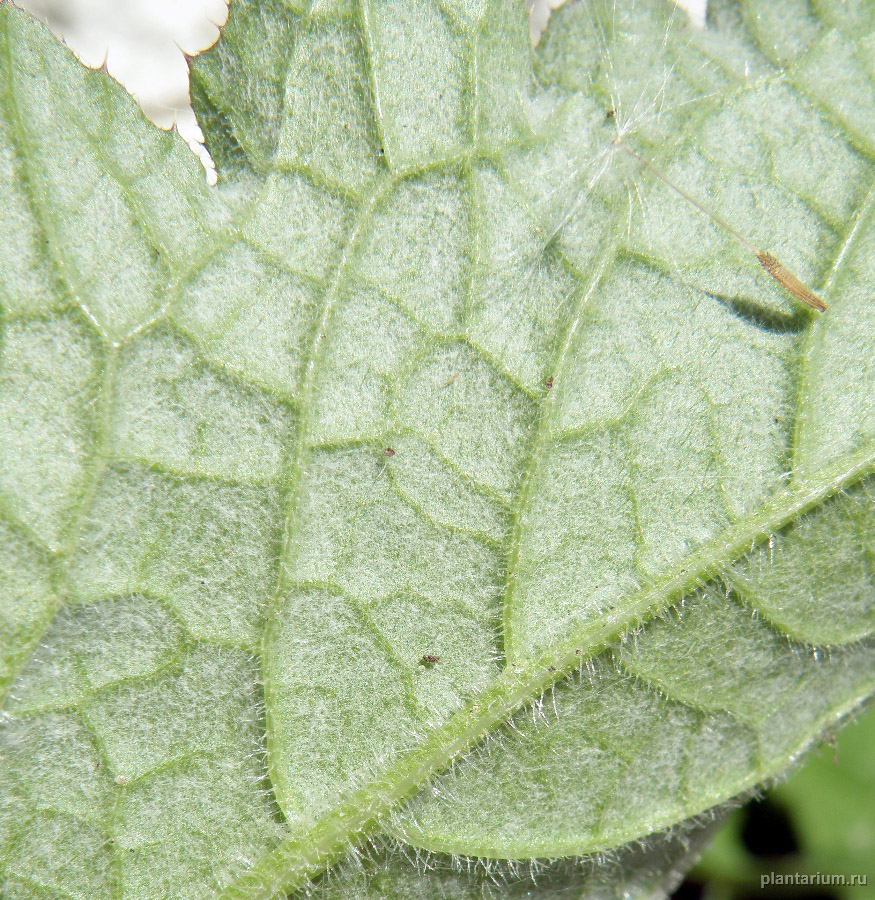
(426, 427)
(114, 231)
(633, 873)
(132, 752)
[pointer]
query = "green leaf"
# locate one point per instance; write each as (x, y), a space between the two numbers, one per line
(828, 806)
(444, 479)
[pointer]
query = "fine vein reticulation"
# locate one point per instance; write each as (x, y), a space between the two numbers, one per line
(645, 588)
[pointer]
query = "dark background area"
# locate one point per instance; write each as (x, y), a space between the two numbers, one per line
(820, 820)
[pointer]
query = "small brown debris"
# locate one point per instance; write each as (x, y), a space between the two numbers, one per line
(388, 451)
(549, 383)
(429, 659)
(609, 114)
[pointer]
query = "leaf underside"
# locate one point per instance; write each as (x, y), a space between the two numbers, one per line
(438, 371)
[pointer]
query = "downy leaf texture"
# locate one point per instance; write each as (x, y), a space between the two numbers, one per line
(443, 506)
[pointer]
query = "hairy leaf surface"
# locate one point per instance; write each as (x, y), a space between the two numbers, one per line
(442, 479)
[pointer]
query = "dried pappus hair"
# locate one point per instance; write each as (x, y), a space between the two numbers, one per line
(782, 275)
(646, 111)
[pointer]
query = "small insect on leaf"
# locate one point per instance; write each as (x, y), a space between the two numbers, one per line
(388, 451)
(549, 383)
(429, 659)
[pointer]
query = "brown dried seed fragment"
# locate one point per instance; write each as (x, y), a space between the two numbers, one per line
(790, 281)
(785, 278)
